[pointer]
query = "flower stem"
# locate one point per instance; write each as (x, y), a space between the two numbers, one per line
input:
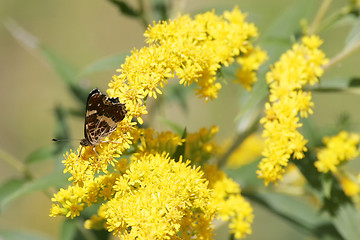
(142, 14)
(341, 55)
(335, 17)
(319, 16)
(19, 166)
(239, 139)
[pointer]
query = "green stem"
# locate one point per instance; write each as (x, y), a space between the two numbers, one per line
(88, 235)
(341, 55)
(335, 17)
(232, 237)
(319, 16)
(19, 166)
(142, 14)
(239, 139)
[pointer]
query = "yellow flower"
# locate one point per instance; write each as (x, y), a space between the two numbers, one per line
(231, 205)
(351, 188)
(153, 198)
(247, 152)
(250, 62)
(158, 142)
(297, 67)
(199, 145)
(71, 201)
(193, 50)
(338, 149)
(143, 192)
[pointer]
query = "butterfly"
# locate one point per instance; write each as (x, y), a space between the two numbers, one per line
(102, 116)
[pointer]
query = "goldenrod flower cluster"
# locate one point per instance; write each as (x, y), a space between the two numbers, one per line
(338, 149)
(144, 192)
(232, 206)
(156, 199)
(249, 151)
(191, 50)
(296, 68)
(351, 187)
(250, 63)
(200, 146)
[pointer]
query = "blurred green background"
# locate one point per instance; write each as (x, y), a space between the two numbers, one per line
(83, 32)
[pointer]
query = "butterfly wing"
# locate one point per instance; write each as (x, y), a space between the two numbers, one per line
(102, 117)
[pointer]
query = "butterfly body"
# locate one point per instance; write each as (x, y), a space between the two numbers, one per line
(101, 117)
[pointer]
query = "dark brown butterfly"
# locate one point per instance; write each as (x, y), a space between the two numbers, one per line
(101, 117)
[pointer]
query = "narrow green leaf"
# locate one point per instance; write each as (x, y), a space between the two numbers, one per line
(18, 235)
(246, 175)
(63, 68)
(66, 73)
(180, 150)
(17, 189)
(347, 222)
(311, 132)
(326, 186)
(160, 10)
(297, 212)
(179, 94)
(69, 230)
(111, 62)
(9, 188)
(339, 84)
(125, 8)
(353, 39)
(41, 154)
(61, 129)
(277, 37)
(173, 126)
(73, 229)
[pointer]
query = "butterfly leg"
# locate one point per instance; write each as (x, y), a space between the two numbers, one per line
(98, 157)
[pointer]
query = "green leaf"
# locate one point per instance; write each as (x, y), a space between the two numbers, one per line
(173, 126)
(111, 62)
(178, 93)
(66, 73)
(353, 39)
(277, 38)
(180, 150)
(61, 130)
(311, 132)
(125, 8)
(297, 212)
(326, 186)
(339, 84)
(314, 134)
(14, 189)
(9, 188)
(41, 154)
(73, 229)
(246, 175)
(69, 229)
(18, 235)
(62, 67)
(160, 10)
(347, 222)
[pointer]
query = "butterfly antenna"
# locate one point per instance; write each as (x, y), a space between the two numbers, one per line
(64, 140)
